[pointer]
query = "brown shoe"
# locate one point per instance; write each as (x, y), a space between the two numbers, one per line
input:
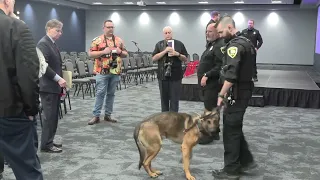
(109, 119)
(94, 120)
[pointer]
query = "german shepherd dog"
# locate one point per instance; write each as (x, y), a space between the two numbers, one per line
(181, 128)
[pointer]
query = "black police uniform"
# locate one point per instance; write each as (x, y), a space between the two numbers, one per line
(1, 164)
(255, 37)
(237, 70)
(210, 66)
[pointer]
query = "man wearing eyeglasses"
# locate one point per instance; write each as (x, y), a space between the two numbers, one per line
(51, 85)
(107, 49)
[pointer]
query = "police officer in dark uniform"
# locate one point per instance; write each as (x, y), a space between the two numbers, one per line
(215, 16)
(236, 91)
(255, 37)
(209, 73)
(1, 165)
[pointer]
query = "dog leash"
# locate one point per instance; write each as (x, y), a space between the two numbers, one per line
(192, 126)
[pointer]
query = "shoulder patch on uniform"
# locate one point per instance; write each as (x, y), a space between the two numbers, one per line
(232, 51)
(223, 49)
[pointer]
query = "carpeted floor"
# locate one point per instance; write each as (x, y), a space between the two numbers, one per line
(284, 141)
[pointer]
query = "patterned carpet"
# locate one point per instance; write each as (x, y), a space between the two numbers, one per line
(284, 141)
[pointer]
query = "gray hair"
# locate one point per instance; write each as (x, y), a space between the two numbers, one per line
(53, 23)
(167, 27)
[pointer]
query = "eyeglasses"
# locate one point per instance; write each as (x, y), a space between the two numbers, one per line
(59, 31)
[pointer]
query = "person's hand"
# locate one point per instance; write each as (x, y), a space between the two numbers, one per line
(256, 49)
(106, 50)
(31, 118)
(62, 83)
(220, 102)
(204, 81)
(118, 50)
(168, 49)
(173, 53)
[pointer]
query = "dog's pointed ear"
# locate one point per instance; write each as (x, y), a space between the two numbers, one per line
(197, 116)
(206, 112)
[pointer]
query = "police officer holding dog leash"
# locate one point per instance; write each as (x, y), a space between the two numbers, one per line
(236, 76)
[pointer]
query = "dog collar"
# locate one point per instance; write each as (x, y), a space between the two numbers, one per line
(196, 123)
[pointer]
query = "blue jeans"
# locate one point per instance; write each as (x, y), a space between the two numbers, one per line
(105, 88)
(17, 145)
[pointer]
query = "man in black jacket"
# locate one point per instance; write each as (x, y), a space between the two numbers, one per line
(49, 88)
(19, 95)
(234, 96)
(209, 73)
(255, 37)
(215, 16)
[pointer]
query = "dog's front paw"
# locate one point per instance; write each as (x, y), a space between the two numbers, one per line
(158, 172)
(154, 175)
(190, 177)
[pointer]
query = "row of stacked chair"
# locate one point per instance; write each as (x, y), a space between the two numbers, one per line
(135, 69)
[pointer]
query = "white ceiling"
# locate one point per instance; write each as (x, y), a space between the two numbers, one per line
(178, 2)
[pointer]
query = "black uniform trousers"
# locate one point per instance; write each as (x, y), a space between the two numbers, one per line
(209, 96)
(50, 103)
(236, 149)
(17, 145)
(1, 163)
(255, 72)
(170, 94)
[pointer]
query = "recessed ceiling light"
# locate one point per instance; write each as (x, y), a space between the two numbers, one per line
(276, 2)
(203, 2)
(161, 2)
(239, 2)
(128, 2)
(97, 3)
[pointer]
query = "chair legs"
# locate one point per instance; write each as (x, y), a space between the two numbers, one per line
(68, 96)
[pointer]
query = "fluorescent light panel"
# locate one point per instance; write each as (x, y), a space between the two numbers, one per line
(161, 2)
(97, 3)
(203, 2)
(239, 2)
(128, 2)
(276, 2)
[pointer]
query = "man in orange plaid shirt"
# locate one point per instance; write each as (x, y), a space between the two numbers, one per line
(107, 49)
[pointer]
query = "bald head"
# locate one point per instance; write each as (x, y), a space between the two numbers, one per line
(167, 32)
(211, 32)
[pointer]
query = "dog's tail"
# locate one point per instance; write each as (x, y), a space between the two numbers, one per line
(140, 146)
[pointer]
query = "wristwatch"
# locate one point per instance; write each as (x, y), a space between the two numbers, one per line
(220, 95)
